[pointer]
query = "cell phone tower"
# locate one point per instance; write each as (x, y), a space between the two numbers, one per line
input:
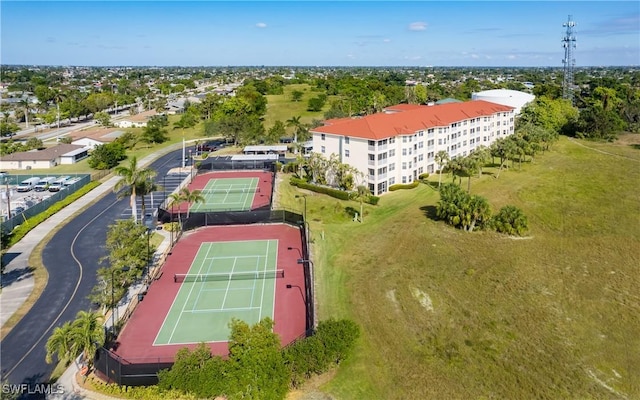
(569, 43)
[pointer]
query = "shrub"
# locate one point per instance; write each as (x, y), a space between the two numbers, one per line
(399, 186)
(332, 343)
(338, 194)
(510, 220)
(423, 176)
(373, 200)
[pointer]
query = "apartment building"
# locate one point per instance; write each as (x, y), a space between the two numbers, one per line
(400, 143)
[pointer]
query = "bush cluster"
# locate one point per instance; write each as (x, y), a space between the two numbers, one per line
(399, 186)
(332, 343)
(338, 194)
(257, 367)
(9, 239)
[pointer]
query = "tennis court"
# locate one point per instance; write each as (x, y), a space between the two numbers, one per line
(226, 280)
(227, 194)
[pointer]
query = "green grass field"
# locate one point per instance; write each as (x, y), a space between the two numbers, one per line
(449, 314)
(280, 107)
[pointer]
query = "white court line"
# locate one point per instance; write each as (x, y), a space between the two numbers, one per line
(173, 303)
(173, 331)
(208, 271)
(216, 310)
(228, 285)
(263, 282)
(227, 257)
(253, 290)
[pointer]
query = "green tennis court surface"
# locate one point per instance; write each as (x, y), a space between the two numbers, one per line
(227, 194)
(225, 280)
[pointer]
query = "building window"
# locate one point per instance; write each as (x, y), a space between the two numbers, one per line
(404, 165)
(392, 167)
(404, 139)
(420, 157)
(439, 142)
(372, 157)
(431, 130)
(392, 140)
(404, 179)
(372, 142)
(392, 153)
(372, 172)
(346, 153)
(346, 140)
(323, 136)
(382, 187)
(322, 149)
(392, 181)
(404, 152)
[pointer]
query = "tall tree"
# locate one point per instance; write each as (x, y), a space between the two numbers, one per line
(191, 197)
(442, 158)
(132, 176)
(88, 334)
(362, 194)
(61, 344)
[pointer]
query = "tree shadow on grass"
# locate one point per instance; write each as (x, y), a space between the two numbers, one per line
(635, 146)
(430, 212)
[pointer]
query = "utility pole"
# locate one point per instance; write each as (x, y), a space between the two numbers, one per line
(569, 43)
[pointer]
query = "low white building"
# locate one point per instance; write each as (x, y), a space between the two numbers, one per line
(47, 158)
(400, 143)
(506, 97)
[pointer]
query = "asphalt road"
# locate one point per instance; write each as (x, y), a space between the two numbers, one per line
(71, 258)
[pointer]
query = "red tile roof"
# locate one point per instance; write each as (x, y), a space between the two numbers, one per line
(411, 119)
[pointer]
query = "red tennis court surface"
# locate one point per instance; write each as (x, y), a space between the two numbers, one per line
(261, 198)
(135, 343)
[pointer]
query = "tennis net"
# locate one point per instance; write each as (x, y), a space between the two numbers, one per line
(230, 190)
(230, 276)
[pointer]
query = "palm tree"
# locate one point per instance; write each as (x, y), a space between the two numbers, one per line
(175, 199)
(132, 177)
(144, 188)
(61, 343)
(25, 103)
(480, 154)
(88, 334)
(442, 158)
(58, 97)
(362, 193)
(191, 196)
(297, 125)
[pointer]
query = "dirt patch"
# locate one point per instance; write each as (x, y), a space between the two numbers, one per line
(423, 298)
(310, 390)
(628, 139)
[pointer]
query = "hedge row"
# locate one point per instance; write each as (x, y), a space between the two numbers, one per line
(399, 186)
(338, 194)
(18, 233)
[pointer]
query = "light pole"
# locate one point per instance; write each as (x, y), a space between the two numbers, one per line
(113, 301)
(309, 303)
(6, 183)
(304, 217)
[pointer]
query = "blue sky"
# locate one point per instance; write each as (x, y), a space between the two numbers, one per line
(317, 33)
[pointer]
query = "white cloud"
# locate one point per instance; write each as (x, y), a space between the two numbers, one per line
(512, 57)
(417, 26)
(261, 25)
(387, 40)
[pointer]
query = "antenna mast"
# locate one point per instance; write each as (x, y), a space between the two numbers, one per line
(569, 43)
